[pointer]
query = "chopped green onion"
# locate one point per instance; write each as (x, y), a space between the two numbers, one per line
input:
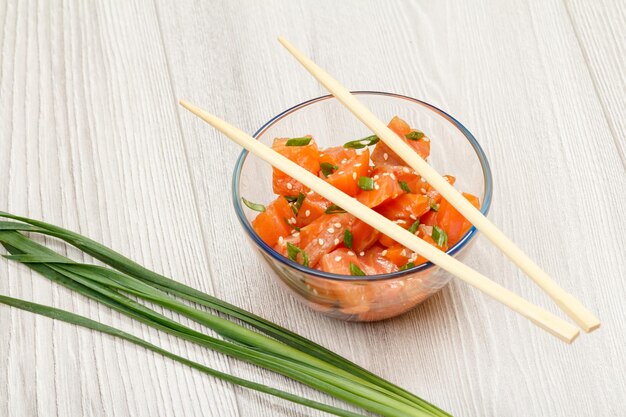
(347, 238)
(291, 198)
(298, 141)
(404, 186)
(293, 251)
(366, 183)
(414, 226)
(355, 270)
(439, 236)
(297, 203)
(434, 206)
(407, 266)
(362, 143)
(414, 135)
(334, 209)
(253, 206)
(327, 168)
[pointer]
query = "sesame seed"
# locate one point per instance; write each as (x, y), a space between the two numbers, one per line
(337, 258)
(281, 240)
(289, 186)
(344, 160)
(403, 253)
(376, 186)
(354, 175)
(400, 221)
(384, 253)
(295, 233)
(337, 225)
(336, 242)
(413, 257)
(321, 154)
(385, 156)
(393, 177)
(340, 172)
(422, 180)
(385, 174)
(330, 230)
(350, 253)
(320, 241)
(361, 253)
(358, 165)
(413, 216)
(315, 291)
(406, 170)
(310, 192)
(401, 283)
(307, 213)
(423, 190)
(375, 177)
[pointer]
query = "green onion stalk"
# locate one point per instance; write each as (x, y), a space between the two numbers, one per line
(257, 341)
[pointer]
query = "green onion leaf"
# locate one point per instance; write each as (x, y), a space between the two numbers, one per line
(355, 270)
(404, 186)
(293, 251)
(253, 206)
(362, 143)
(366, 183)
(414, 226)
(298, 141)
(434, 206)
(347, 238)
(414, 135)
(407, 266)
(290, 198)
(298, 203)
(328, 168)
(334, 209)
(439, 236)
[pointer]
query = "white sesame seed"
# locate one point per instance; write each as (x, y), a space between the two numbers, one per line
(337, 258)
(406, 170)
(385, 174)
(423, 190)
(376, 186)
(393, 177)
(289, 186)
(293, 220)
(361, 253)
(295, 233)
(281, 240)
(385, 156)
(315, 291)
(320, 241)
(403, 253)
(344, 160)
(354, 175)
(413, 257)
(337, 225)
(330, 230)
(422, 180)
(384, 253)
(400, 221)
(350, 253)
(340, 173)
(310, 192)
(401, 283)
(358, 165)
(413, 216)
(307, 213)
(375, 177)
(336, 241)
(321, 154)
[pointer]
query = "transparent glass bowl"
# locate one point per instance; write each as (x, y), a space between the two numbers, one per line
(454, 151)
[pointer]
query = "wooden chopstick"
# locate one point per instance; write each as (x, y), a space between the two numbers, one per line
(544, 319)
(568, 303)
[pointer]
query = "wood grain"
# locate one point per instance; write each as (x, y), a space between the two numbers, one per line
(91, 138)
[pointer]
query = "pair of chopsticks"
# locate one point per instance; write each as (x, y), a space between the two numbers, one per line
(544, 319)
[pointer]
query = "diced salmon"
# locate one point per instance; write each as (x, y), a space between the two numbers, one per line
(408, 207)
(272, 223)
(383, 155)
(323, 235)
(363, 235)
(452, 222)
(338, 261)
(306, 156)
(374, 263)
(348, 173)
(397, 254)
(313, 206)
(386, 188)
(337, 155)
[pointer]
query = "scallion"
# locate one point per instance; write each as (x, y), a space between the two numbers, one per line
(298, 141)
(293, 251)
(328, 168)
(366, 183)
(334, 209)
(362, 143)
(404, 186)
(347, 238)
(414, 135)
(439, 236)
(355, 270)
(253, 206)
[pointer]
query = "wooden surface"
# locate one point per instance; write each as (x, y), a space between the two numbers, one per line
(91, 138)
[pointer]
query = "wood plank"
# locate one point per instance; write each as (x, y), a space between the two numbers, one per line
(599, 29)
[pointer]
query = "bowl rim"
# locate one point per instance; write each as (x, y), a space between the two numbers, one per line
(247, 226)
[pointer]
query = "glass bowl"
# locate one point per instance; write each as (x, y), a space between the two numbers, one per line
(454, 151)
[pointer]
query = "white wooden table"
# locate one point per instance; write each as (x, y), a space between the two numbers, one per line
(91, 138)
